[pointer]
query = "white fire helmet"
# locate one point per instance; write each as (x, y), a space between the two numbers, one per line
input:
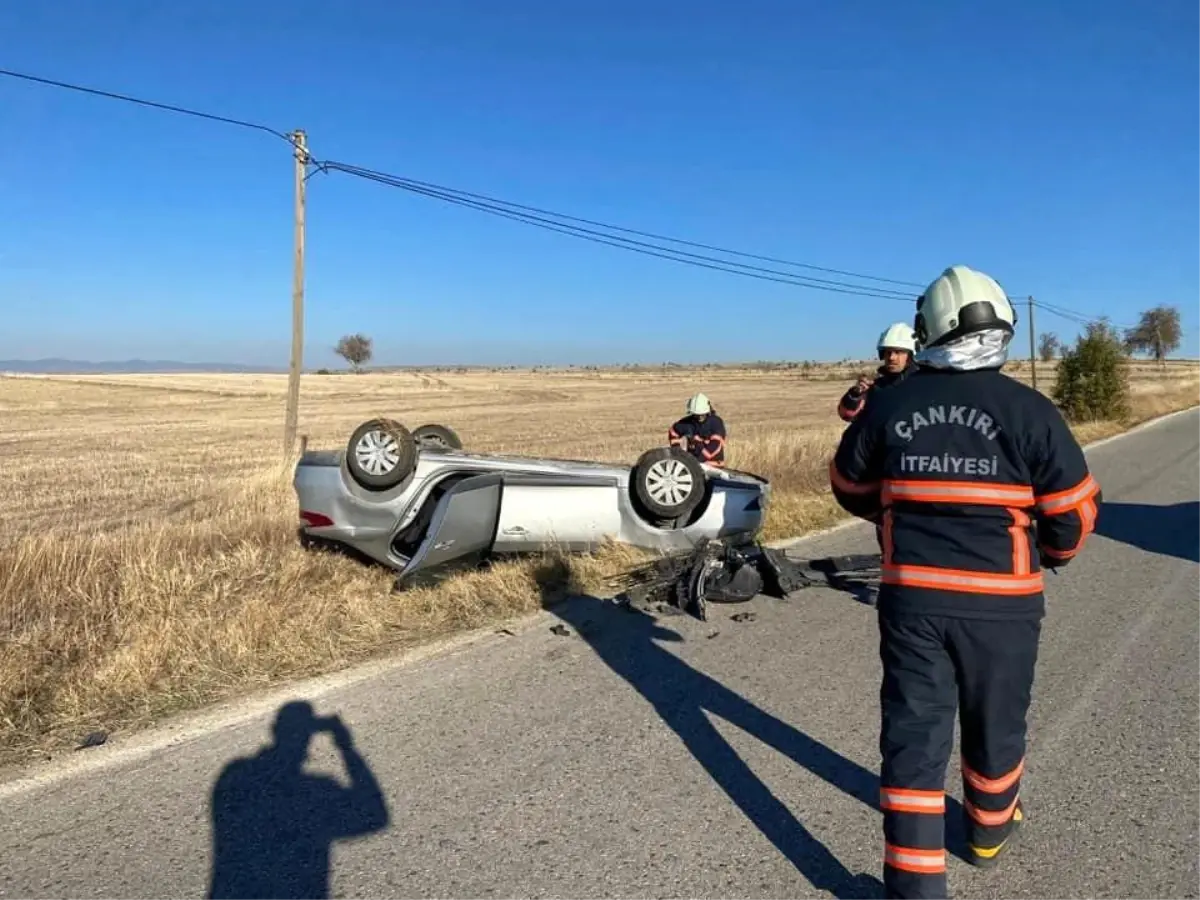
(899, 336)
(961, 301)
(698, 405)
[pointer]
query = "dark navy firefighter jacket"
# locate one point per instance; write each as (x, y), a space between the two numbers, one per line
(976, 485)
(704, 440)
(854, 401)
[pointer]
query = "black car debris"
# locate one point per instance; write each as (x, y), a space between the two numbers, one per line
(717, 572)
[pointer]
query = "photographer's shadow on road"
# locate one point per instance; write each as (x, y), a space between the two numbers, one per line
(625, 638)
(274, 824)
(1168, 530)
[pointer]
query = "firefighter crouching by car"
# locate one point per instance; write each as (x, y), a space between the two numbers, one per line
(978, 486)
(700, 432)
(896, 348)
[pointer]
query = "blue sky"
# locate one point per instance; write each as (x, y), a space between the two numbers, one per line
(1052, 144)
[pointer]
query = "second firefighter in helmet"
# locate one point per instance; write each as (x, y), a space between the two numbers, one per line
(977, 485)
(700, 432)
(896, 348)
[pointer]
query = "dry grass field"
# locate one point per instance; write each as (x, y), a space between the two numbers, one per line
(148, 558)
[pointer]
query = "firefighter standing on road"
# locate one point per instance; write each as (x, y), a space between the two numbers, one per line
(701, 432)
(978, 486)
(896, 348)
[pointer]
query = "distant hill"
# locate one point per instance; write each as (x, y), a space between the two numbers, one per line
(128, 366)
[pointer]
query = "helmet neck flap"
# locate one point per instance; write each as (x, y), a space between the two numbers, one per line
(986, 349)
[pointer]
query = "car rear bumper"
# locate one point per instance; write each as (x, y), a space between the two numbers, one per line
(329, 511)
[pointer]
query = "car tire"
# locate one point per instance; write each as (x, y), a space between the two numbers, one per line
(437, 437)
(668, 482)
(380, 454)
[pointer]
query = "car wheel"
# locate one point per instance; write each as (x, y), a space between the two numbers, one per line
(437, 437)
(381, 453)
(668, 482)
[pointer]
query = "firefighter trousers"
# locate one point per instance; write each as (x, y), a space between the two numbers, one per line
(931, 665)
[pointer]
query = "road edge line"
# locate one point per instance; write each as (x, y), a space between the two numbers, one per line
(233, 712)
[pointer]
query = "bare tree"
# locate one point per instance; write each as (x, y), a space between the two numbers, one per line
(1048, 346)
(1157, 333)
(355, 349)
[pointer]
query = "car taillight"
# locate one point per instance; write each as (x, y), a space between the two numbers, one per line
(315, 519)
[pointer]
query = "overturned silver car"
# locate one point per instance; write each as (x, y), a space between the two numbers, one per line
(416, 501)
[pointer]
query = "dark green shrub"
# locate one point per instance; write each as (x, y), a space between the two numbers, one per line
(1093, 381)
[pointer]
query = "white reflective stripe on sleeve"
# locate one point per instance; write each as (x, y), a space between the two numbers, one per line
(1064, 501)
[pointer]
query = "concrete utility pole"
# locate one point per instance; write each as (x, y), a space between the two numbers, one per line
(1032, 345)
(291, 423)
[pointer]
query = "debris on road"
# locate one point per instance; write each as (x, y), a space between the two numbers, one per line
(717, 572)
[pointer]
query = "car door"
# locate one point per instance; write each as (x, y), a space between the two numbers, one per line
(463, 526)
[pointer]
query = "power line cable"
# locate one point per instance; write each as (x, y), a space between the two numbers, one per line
(429, 186)
(533, 215)
(652, 249)
(466, 199)
(1074, 316)
(1069, 316)
(452, 195)
(1066, 312)
(1081, 319)
(496, 206)
(150, 103)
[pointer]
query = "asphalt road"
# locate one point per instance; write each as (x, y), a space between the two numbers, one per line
(642, 758)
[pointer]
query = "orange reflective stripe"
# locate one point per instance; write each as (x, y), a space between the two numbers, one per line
(909, 859)
(963, 580)
(846, 486)
(911, 801)
(1064, 501)
(992, 785)
(990, 818)
(971, 492)
(720, 442)
(1087, 515)
(1020, 541)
